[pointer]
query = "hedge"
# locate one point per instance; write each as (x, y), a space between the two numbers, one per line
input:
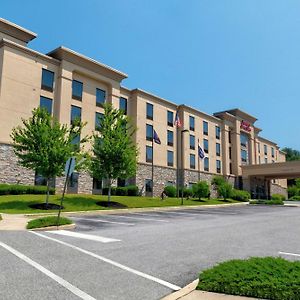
(295, 198)
(240, 195)
(130, 190)
(170, 191)
(18, 189)
(278, 197)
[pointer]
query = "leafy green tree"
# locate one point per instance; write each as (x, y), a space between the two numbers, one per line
(201, 189)
(218, 180)
(114, 151)
(225, 190)
(291, 154)
(44, 145)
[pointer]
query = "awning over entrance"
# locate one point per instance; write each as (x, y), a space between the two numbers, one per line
(284, 170)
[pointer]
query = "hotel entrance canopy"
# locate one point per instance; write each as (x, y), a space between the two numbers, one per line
(281, 170)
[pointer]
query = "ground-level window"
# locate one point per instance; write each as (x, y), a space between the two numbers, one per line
(218, 163)
(73, 181)
(230, 168)
(148, 186)
(170, 183)
(191, 185)
(97, 184)
(41, 180)
(121, 182)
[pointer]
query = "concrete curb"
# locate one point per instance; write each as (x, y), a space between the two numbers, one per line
(62, 227)
(143, 209)
(189, 292)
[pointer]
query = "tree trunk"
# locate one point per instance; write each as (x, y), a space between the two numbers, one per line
(109, 190)
(48, 191)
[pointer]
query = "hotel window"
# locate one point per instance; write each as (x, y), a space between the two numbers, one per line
(100, 97)
(148, 186)
(259, 160)
(192, 161)
(230, 168)
(266, 160)
(192, 123)
(266, 149)
(149, 154)
(149, 111)
(229, 136)
(170, 117)
(46, 103)
(258, 145)
(230, 155)
(244, 140)
(205, 128)
(170, 158)
(244, 155)
(218, 163)
(206, 164)
(77, 87)
(218, 132)
(98, 120)
(218, 149)
(75, 113)
(97, 184)
(205, 145)
(47, 80)
(123, 105)
(170, 138)
(149, 132)
(273, 152)
(192, 142)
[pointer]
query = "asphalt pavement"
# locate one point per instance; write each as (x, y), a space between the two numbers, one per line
(140, 255)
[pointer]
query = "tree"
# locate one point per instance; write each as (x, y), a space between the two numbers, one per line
(225, 190)
(44, 145)
(201, 189)
(114, 151)
(291, 154)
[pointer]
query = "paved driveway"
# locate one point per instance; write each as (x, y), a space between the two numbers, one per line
(141, 255)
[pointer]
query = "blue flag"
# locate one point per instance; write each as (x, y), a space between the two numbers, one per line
(200, 152)
(156, 137)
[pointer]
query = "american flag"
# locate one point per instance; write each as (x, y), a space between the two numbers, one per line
(177, 121)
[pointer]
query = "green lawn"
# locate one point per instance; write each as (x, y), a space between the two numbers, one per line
(47, 221)
(15, 204)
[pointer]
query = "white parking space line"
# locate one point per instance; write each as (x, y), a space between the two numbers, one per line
(104, 221)
(290, 254)
(73, 289)
(147, 214)
(116, 264)
(179, 213)
(143, 219)
(214, 212)
(83, 236)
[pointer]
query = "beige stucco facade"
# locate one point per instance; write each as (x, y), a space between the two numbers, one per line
(21, 87)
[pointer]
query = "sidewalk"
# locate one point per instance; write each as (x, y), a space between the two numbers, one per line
(189, 293)
(13, 222)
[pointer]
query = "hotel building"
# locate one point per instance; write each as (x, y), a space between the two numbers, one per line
(72, 85)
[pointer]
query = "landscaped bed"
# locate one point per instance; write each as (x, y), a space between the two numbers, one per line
(15, 204)
(47, 222)
(267, 278)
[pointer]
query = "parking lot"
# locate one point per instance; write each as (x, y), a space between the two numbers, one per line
(140, 255)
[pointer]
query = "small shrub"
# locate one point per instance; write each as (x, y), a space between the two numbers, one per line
(201, 189)
(240, 195)
(278, 197)
(132, 190)
(218, 180)
(225, 190)
(170, 191)
(18, 189)
(121, 191)
(187, 192)
(113, 191)
(295, 198)
(293, 191)
(267, 278)
(267, 202)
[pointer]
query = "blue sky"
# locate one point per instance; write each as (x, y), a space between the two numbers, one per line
(210, 54)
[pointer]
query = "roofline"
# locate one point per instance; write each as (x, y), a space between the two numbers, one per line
(81, 56)
(9, 43)
(237, 109)
(267, 140)
(200, 112)
(154, 96)
(32, 35)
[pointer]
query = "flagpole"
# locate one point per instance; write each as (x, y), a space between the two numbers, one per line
(177, 162)
(198, 162)
(152, 171)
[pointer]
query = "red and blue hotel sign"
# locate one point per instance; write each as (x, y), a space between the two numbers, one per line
(246, 126)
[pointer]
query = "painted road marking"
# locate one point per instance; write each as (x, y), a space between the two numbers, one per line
(116, 264)
(145, 219)
(104, 221)
(179, 213)
(83, 236)
(287, 253)
(73, 289)
(212, 211)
